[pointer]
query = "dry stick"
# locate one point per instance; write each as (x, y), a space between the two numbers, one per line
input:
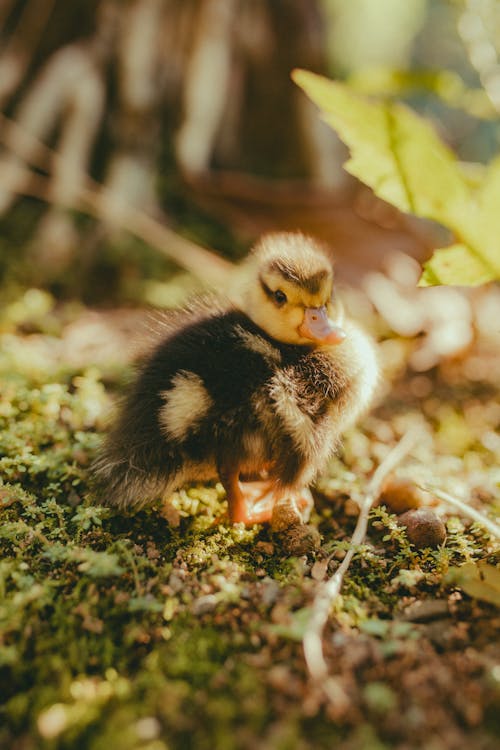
(330, 589)
(103, 204)
(29, 27)
(492, 527)
(207, 266)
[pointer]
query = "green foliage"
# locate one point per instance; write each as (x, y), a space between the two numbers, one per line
(400, 156)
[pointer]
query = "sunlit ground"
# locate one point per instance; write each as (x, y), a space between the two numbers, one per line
(169, 627)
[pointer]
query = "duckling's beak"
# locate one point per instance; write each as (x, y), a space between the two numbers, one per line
(318, 327)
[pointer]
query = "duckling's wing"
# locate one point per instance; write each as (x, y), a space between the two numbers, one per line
(162, 324)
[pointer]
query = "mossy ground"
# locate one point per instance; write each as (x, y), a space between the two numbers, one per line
(130, 632)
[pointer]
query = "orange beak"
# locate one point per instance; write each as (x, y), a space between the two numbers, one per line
(318, 327)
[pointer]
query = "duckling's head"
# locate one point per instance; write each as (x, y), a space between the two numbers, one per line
(289, 291)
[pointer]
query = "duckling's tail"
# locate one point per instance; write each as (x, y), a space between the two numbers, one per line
(116, 482)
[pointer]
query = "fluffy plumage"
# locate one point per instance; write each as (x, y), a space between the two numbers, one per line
(267, 385)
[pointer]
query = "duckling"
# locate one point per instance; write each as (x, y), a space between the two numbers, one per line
(262, 387)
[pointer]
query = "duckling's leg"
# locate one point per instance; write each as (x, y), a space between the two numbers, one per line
(247, 504)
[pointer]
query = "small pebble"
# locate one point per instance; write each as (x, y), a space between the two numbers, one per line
(270, 592)
(6, 497)
(299, 540)
(400, 494)
(426, 610)
(423, 527)
(285, 516)
(319, 569)
(170, 514)
(351, 508)
(266, 547)
(204, 604)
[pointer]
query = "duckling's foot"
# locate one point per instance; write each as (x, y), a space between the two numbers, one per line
(305, 503)
(256, 505)
(249, 502)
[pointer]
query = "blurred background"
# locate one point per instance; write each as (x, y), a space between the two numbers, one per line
(144, 145)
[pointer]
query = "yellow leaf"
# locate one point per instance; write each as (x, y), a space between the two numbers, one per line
(487, 225)
(393, 150)
(479, 580)
(455, 265)
(401, 157)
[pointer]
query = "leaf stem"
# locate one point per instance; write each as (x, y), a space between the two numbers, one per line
(328, 590)
(466, 509)
(99, 201)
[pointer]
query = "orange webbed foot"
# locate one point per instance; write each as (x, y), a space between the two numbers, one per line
(253, 503)
(257, 501)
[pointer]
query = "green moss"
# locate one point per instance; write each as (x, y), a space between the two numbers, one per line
(124, 630)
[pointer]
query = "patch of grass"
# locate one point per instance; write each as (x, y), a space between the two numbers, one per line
(127, 631)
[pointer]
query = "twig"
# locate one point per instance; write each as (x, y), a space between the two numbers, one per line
(101, 202)
(19, 48)
(330, 589)
(466, 509)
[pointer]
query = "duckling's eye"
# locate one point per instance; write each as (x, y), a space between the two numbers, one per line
(280, 297)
